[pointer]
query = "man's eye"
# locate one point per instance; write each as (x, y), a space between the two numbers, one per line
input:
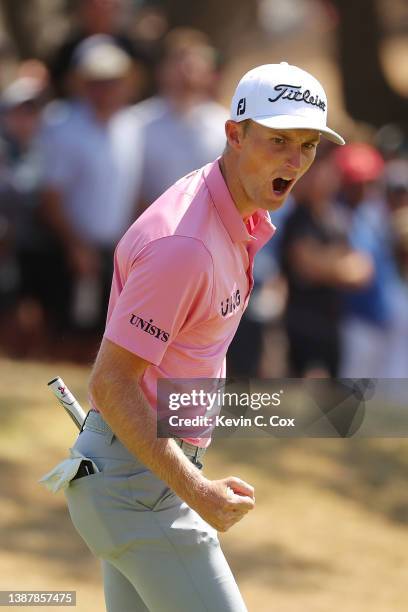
(277, 140)
(310, 145)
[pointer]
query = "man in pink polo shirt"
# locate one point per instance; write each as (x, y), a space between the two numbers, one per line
(183, 277)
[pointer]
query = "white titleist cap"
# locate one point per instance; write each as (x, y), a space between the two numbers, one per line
(284, 97)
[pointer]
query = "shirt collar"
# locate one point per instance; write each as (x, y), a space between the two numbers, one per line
(260, 225)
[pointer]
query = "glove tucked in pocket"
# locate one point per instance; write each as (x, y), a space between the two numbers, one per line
(62, 474)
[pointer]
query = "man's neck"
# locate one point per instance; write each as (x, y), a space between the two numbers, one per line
(244, 205)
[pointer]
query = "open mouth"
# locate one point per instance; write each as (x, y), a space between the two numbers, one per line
(280, 186)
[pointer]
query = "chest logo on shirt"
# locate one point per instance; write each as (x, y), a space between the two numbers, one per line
(231, 304)
(148, 328)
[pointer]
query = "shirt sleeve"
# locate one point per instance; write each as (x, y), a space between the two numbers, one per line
(168, 290)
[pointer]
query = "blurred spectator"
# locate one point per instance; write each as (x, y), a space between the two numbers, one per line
(370, 312)
(9, 277)
(36, 70)
(149, 27)
(92, 169)
(24, 286)
(396, 186)
(391, 141)
(183, 126)
(318, 262)
(396, 190)
(97, 17)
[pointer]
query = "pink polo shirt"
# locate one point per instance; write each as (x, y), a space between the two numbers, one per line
(182, 279)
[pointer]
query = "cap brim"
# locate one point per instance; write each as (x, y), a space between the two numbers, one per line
(294, 122)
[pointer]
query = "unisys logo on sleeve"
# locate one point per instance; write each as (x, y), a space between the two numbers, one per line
(148, 327)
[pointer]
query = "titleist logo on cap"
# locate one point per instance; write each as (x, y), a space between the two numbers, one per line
(295, 93)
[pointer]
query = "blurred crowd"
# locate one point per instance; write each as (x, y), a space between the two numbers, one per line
(92, 137)
(334, 278)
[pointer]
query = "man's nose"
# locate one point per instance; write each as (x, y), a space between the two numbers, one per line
(294, 158)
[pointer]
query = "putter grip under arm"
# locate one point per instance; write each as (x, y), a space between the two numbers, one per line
(68, 401)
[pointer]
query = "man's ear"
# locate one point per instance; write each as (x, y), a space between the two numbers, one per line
(235, 133)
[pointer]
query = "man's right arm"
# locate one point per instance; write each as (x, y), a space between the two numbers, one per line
(116, 391)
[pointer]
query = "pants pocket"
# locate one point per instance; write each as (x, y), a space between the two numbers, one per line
(62, 474)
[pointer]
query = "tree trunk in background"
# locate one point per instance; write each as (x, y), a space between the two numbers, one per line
(15, 14)
(368, 96)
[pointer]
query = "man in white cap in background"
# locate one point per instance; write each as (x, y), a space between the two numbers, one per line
(182, 279)
(92, 169)
(88, 18)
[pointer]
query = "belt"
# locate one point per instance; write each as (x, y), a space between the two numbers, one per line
(195, 452)
(95, 422)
